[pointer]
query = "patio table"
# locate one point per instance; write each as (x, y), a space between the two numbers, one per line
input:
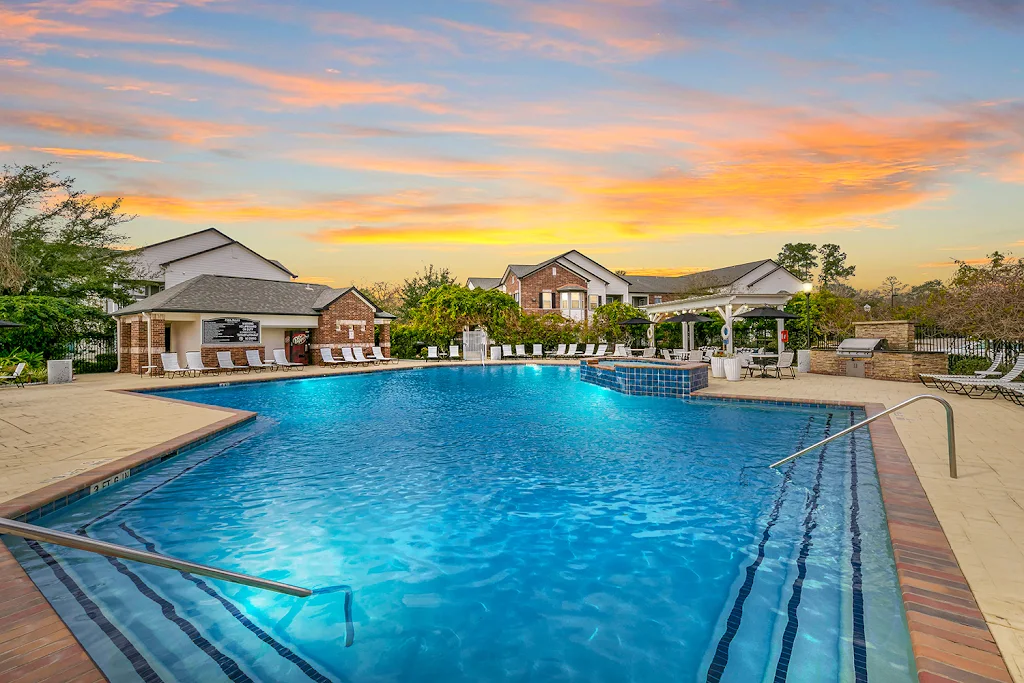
(761, 360)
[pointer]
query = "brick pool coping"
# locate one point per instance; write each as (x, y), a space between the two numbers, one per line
(950, 638)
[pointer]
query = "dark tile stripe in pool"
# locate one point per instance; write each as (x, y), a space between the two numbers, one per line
(721, 658)
(793, 622)
(860, 654)
(278, 647)
(92, 610)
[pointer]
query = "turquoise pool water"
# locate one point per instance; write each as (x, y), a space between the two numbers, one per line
(501, 524)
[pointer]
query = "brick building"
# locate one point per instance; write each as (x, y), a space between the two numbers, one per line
(212, 313)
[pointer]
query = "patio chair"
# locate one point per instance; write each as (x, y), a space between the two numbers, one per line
(194, 363)
(666, 354)
(453, 353)
(327, 358)
(432, 354)
(521, 351)
(559, 352)
(1013, 392)
(935, 381)
(506, 351)
(589, 350)
(649, 352)
(15, 377)
(572, 351)
(602, 350)
(538, 351)
(225, 363)
(785, 362)
(360, 357)
(252, 357)
(379, 355)
(169, 362)
(620, 351)
(281, 360)
(349, 357)
(977, 387)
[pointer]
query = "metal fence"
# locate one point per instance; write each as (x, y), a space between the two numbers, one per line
(93, 355)
(936, 340)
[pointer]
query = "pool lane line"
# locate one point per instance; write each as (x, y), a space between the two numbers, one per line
(793, 622)
(81, 531)
(732, 624)
(92, 610)
(277, 646)
(860, 655)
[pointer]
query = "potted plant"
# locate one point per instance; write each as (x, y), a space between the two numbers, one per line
(733, 368)
(718, 364)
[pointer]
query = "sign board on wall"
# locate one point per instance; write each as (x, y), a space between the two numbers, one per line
(231, 331)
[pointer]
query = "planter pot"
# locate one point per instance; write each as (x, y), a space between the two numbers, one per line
(803, 360)
(733, 369)
(717, 367)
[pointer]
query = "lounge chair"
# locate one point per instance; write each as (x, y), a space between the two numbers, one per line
(281, 360)
(521, 351)
(169, 362)
(538, 351)
(649, 352)
(559, 352)
(432, 354)
(785, 362)
(1013, 392)
(453, 353)
(252, 357)
(506, 351)
(194, 363)
(666, 354)
(936, 381)
(225, 363)
(620, 351)
(589, 351)
(349, 356)
(361, 358)
(15, 377)
(572, 351)
(327, 358)
(379, 355)
(602, 350)
(981, 388)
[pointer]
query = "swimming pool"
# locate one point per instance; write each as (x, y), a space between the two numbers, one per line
(483, 524)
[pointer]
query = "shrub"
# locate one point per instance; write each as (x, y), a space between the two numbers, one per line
(50, 325)
(967, 365)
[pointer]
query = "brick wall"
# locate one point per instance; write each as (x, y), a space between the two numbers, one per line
(543, 281)
(237, 354)
(899, 333)
(348, 312)
(896, 367)
(385, 340)
(132, 341)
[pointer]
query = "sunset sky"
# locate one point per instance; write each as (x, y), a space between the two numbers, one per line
(359, 141)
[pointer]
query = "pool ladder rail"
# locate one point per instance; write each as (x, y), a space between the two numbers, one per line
(39, 533)
(950, 434)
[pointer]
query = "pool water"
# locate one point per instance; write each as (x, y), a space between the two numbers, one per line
(492, 524)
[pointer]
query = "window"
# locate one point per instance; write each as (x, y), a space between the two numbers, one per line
(516, 296)
(547, 300)
(639, 300)
(595, 301)
(657, 299)
(615, 298)
(565, 300)
(572, 300)
(554, 271)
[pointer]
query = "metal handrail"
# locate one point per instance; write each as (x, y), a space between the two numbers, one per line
(38, 533)
(950, 435)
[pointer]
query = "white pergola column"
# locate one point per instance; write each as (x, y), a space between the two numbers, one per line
(728, 324)
(781, 325)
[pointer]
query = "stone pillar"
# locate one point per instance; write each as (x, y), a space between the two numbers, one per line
(385, 339)
(898, 333)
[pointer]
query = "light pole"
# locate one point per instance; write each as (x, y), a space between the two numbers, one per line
(807, 313)
(867, 310)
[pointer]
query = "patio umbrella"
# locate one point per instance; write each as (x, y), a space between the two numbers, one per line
(636, 321)
(766, 312)
(8, 323)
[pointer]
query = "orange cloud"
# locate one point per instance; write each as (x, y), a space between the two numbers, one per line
(91, 154)
(120, 125)
(356, 26)
(619, 26)
(441, 167)
(521, 41)
(953, 264)
(27, 25)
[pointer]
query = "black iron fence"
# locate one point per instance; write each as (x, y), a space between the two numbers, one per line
(94, 355)
(936, 340)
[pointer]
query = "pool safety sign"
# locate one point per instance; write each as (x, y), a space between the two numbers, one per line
(231, 331)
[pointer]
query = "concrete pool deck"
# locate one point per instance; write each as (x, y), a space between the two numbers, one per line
(50, 434)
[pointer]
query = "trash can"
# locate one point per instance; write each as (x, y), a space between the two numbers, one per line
(803, 360)
(58, 372)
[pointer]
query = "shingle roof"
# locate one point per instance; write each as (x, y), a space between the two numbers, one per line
(223, 294)
(484, 282)
(718, 277)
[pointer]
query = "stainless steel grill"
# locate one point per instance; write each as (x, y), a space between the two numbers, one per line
(860, 348)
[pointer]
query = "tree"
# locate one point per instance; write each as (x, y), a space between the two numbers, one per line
(445, 310)
(49, 324)
(833, 266)
(606, 322)
(893, 286)
(385, 295)
(415, 288)
(799, 258)
(58, 241)
(984, 301)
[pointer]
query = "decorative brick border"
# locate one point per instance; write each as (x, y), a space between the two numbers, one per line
(949, 636)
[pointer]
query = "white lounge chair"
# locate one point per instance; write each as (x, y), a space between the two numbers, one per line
(379, 355)
(936, 380)
(602, 350)
(571, 351)
(194, 363)
(589, 350)
(361, 358)
(620, 351)
(453, 353)
(785, 362)
(538, 351)
(169, 362)
(252, 357)
(521, 351)
(15, 377)
(649, 352)
(432, 354)
(327, 358)
(666, 354)
(281, 360)
(349, 356)
(1013, 392)
(225, 363)
(506, 351)
(559, 352)
(979, 388)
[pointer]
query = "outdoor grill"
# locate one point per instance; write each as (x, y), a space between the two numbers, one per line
(860, 348)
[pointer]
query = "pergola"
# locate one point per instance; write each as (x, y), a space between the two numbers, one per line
(726, 305)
